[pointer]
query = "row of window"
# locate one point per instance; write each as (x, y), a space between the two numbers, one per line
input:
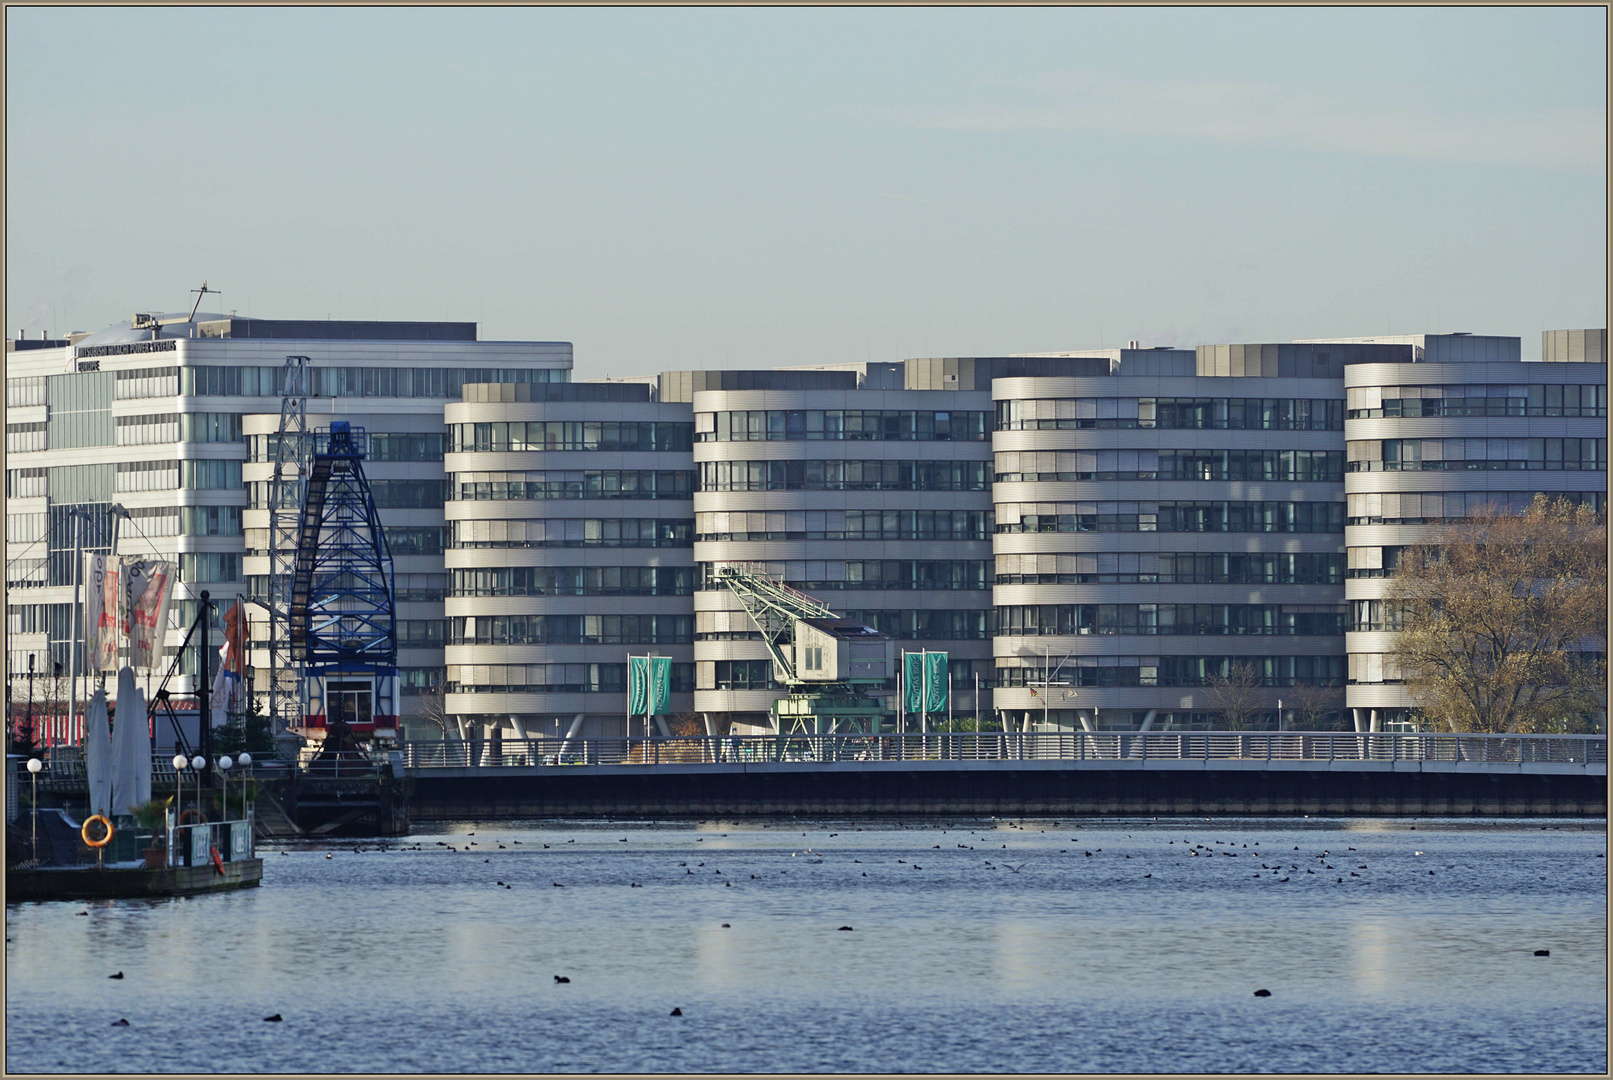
(908, 425)
(1234, 414)
(844, 475)
(147, 475)
(593, 484)
(148, 382)
(574, 581)
(195, 475)
(1189, 517)
(422, 633)
(388, 494)
(26, 483)
(26, 438)
(1193, 619)
(210, 427)
(570, 629)
(843, 525)
(382, 382)
(1179, 671)
(1414, 455)
(517, 435)
(572, 532)
(25, 528)
(148, 430)
(381, 446)
(553, 678)
(871, 574)
(1173, 568)
(1430, 507)
(201, 567)
(30, 390)
(1032, 466)
(1464, 401)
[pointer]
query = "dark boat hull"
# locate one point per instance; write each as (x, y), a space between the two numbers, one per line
(96, 884)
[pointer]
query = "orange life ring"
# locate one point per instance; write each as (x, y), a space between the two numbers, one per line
(84, 831)
(192, 815)
(218, 863)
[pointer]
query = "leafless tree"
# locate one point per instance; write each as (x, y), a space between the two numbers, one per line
(432, 708)
(1503, 620)
(1236, 695)
(1315, 708)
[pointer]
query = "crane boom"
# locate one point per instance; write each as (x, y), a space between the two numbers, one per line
(845, 661)
(773, 606)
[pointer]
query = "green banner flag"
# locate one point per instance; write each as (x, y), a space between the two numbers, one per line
(935, 682)
(913, 682)
(638, 684)
(660, 684)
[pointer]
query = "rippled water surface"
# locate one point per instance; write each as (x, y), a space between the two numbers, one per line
(976, 946)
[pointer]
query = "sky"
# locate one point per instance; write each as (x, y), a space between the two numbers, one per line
(712, 187)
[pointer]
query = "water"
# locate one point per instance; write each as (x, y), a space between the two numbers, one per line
(976, 946)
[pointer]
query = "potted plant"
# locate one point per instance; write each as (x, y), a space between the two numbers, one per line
(151, 816)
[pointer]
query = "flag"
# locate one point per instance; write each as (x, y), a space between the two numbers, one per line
(660, 684)
(913, 681)
(101, 636)
(638, 685)
(936, 685)
(148, 588)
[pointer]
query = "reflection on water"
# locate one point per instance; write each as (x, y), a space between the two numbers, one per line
(976, 946)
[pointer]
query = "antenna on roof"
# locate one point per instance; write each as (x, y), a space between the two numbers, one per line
(201, 292)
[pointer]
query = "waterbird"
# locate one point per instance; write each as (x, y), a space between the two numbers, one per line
(275, 1019)
(677, 1012)
(1262, 993)
(120, 1023)
(725, 926)
(119, 975)
(1542, 952)
(558, 885)
(561, 979)
(80, 913)
(845, 928)
(328, 855)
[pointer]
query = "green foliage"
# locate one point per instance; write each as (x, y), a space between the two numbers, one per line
(247, 731)
(149, 814)
(1503, 620)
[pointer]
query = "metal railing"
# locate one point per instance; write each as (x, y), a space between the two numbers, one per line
(1012, 746)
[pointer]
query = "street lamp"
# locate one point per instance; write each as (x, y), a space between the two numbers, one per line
(224, 765)
(180, 764)
(244, 760)
(34, 765)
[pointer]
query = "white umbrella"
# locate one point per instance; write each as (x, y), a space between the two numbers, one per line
(131, 748)
(98, 755)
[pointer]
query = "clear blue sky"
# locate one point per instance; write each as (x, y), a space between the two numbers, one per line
(716, 187)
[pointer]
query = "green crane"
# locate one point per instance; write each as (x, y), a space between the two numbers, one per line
(831, 666)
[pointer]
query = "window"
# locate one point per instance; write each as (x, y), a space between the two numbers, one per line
(855, 475)
(211, 520)
(25, 438)
(209, 566)
(571, 435)
(210, 427)
(571, 532)
(148, 382)
(147, 475)
(225, 475)
(146, 430)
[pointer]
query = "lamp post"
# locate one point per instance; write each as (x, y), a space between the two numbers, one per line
(31, 739)
(34, 765)
(244, 760)
(180, 764)
(225, 763)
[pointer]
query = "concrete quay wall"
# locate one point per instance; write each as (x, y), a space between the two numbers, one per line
(1367, 789)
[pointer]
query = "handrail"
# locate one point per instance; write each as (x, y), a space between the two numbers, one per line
(1141, 746)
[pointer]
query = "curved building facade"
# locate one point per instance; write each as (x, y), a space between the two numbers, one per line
(1441, 439)
(1164, 525)
(569, 549)
(870, 495)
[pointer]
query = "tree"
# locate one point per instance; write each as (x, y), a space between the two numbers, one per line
(1236, 695)
(1315, 708)
(1503, 620)
(247, 731)
(433, 708)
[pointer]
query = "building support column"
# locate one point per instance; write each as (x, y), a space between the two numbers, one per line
(1148, 721)
(571, 733)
